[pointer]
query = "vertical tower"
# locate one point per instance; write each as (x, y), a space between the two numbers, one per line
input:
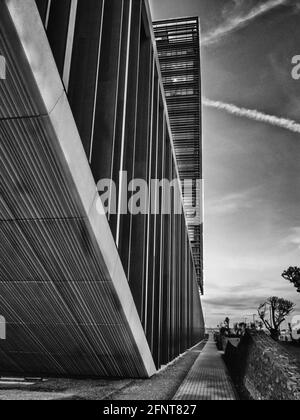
(178, 45)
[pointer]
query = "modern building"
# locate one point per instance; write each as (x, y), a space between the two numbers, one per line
(85, 293)
(178, 45)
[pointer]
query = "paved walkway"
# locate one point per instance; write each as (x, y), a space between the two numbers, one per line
(208, 379)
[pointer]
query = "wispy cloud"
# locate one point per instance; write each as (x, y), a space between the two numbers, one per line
(232, 203)
(238, 22)
(253, 114)
(233, 302)
(258, 264)
(293, 238)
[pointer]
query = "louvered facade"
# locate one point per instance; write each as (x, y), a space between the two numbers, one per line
(84, 293)
(178, 45)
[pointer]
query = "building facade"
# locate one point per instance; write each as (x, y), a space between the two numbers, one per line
(86, 292)
(178, 45)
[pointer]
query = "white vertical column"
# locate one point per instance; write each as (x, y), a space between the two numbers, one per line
(2, 328)
(149, 196)
(97, 83)
(48, 14)
(116, 105)
(69, 45)
(2, 68)
(123, 130)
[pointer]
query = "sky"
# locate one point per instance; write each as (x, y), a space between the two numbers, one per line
(251, 134)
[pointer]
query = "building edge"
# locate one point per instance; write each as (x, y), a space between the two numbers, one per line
(30, 31)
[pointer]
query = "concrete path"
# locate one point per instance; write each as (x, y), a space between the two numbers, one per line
(161, 387)
(208, 379)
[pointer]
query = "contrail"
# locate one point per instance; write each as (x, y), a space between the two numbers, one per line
(253, 114)
(240, 21)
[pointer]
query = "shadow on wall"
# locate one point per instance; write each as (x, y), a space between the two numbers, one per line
(262, 369)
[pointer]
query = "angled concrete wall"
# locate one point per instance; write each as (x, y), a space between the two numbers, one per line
(63, 291)
(83, 293)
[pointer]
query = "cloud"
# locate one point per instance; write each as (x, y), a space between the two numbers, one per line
(253, 114)
(235, 302)
(239, 22)
(293, 238)
(233, 203)
(257, 264)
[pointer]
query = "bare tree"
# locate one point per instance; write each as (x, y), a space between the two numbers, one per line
(225, 330)
(293, 275)
(227, 323)
(273, 313)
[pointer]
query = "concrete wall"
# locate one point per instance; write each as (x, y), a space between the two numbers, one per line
(63, 291)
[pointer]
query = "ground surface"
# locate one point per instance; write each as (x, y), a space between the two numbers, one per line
(208, 379)
(293, 349)
(162, 386)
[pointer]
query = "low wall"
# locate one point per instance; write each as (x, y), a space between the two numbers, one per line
(233, 341)
(222, 341)
(263, 368)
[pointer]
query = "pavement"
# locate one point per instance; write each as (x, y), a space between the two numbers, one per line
(198, 374)
(208, 379)
(161, 387)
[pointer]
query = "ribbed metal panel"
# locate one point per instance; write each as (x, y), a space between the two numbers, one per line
(16, 97)
(48, 250)
(63, 317)
(66, 329)
(34, 184)
(63, 314)
(178, 45)
(71, 299)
